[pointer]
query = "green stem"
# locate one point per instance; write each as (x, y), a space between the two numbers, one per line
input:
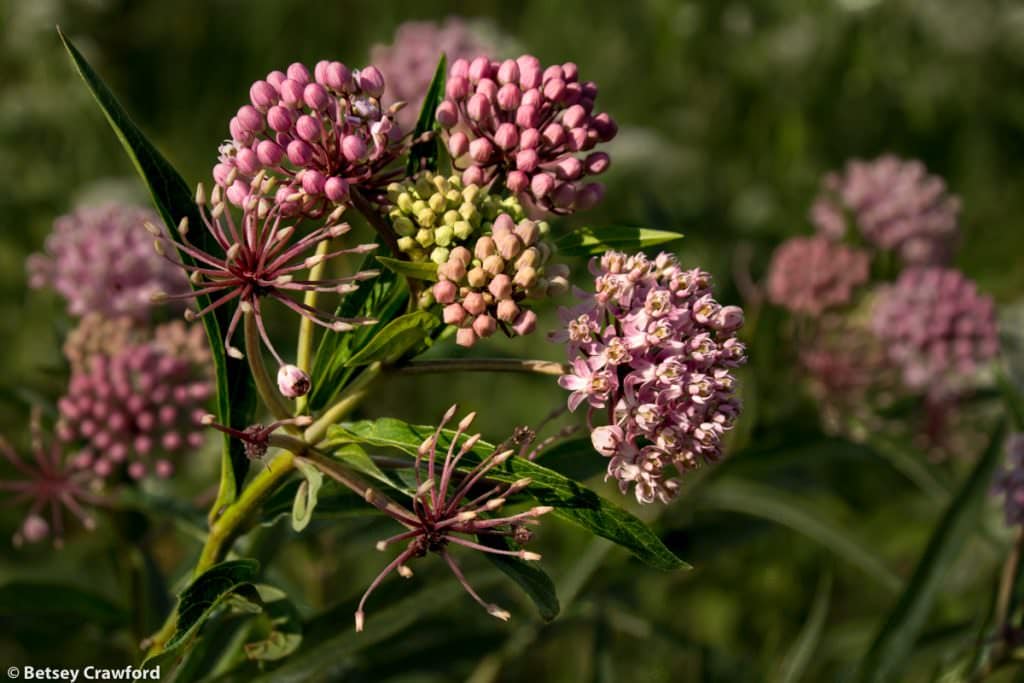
(363, 206)
(304, 352)
(540, 367)
(346, 402)
(267, 391)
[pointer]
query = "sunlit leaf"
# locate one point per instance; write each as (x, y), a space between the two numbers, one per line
(594, 241)
(423, 155)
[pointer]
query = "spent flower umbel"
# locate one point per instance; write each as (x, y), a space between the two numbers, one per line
(529, 128)
(653, 352)
(263, 257)
(454, 507)
(809, 275)
(101, 261)
(316, 137)
(51, 486)
(936, 328)
(895, 204)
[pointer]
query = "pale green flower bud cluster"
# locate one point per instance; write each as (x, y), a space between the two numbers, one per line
(432, 215)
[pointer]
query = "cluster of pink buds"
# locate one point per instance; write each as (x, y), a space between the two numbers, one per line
(489, 286)
(136, 408)
(50, 486)
(895, 204)
(314, 137)
(451, 507)
(528, 127)
(1010, 482)
(101, 261)
(809, 275)
(935, 327)
(653, 351)
(409, 62)
(262, 258)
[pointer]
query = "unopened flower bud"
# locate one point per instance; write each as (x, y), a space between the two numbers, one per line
(292, 382)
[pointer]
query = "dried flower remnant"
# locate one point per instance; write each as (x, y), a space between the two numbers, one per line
(895, 204)
(527, 128)
(408, 63)
(102, 262)
(255, 438)
(262, 258)
(51, 486)
(450, 507)
(936, 328)
(653, 351)
(315, 138)
(809, 275)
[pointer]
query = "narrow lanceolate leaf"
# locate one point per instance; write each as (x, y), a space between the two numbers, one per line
(211, 590)
(382, 299)
(174, 200)
(534, 581)
(418, 270)
(306, 496)
(894, 644)
(396, 339)
(801, 654)
(279, 624)
(575, 458)
(572, 500)
(423, 155)
(779, 507)
(594, 241)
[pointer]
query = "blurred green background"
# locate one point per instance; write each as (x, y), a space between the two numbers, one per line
(729, 113)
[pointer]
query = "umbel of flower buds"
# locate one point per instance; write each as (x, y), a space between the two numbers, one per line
(936, 328)
(493, 284)
(810, 275)
(895, 204)
(653, 352)
(433, 214)
(530, 128)
(316, 136)
(101, 261)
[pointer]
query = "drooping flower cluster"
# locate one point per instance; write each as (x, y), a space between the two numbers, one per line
(263, 257)
(51, 486)
(315, 137)
(809, 275)
(101, 261)
(409, 62)
(452, 507)
(434, 214)
(653, 351)
(1009, 481)
(936, 327)
(135, 409)
(528, 128)
(895, 204)
(492, 285)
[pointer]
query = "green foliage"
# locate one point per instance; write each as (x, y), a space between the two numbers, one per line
(594, 241)
(22, 600)
(534, 581)
(396, 339)
(306, 496)
(423, 155)
(419, 270)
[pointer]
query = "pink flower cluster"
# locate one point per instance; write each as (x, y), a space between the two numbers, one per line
(895, 204)
(1010, 481)
(409, 62)
(809, 275)
(135, 408)
(935, 326)
(316, 137)
(653, 351)
(526, 126)
(101, 261)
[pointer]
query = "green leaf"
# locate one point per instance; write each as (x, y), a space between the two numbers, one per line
(755, 500)
(418, 270)
(799, 657)
(211, 590)
(355, 457)
(894, 642)
(280, 624)
(382, 299)
(574, 458)
(396, 339)
(333, 500)
(534, 581)
(423, 155)
(59, 602)
(572, 501)
(594, 241)
(305, 497)
(236, 397)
